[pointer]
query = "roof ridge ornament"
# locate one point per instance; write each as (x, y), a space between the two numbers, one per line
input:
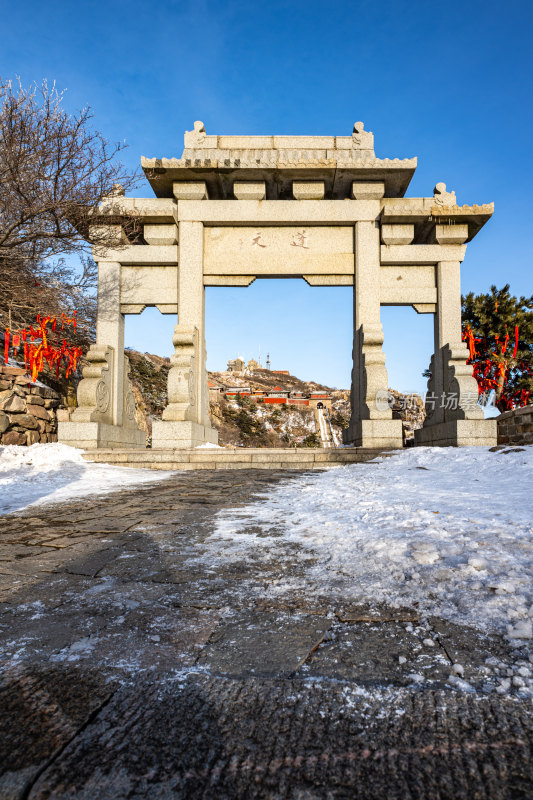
(196, 137)
(443, 198)
(361, 139)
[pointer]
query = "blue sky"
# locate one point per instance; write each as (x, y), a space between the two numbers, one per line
(447, 82)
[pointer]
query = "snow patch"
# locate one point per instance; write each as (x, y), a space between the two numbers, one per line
(57, 473)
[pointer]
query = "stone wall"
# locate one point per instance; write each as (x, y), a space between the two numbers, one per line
(516, 427)
(28, 411)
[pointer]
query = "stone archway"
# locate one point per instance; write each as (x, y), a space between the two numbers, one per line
(235, 208)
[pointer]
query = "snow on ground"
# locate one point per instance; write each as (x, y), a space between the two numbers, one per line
(449, 529)
(55, 473)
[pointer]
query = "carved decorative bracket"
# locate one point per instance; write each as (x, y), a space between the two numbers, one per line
(95, 391)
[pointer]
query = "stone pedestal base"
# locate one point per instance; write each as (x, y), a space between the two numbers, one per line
(458, 433)
(168, 434)
(380, 433)
(92, 435)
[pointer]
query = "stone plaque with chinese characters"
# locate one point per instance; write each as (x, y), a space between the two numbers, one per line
(273, 251)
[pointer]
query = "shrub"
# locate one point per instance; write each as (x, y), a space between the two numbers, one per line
(340, 420)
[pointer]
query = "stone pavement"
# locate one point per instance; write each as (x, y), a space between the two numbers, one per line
(130, 669)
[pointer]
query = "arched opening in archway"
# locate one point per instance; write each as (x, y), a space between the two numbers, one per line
(285, 341)
(306, 331)
(148, 345)
(408, 345)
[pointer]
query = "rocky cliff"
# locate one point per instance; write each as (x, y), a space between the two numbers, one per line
(29, 411)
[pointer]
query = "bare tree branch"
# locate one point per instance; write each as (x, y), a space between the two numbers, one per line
(54, 171)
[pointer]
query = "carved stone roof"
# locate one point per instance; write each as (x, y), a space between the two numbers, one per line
(278, 160)
(423, 212)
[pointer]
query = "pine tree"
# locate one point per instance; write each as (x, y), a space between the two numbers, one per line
(499, 331)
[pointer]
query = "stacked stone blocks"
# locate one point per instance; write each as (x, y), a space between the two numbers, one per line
(28, 411)
(516, 427)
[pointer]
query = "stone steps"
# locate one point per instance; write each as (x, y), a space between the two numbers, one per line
(234, 458)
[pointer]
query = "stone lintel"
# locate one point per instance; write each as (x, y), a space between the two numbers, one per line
(425, 308)
(113, 234)
(337, 264)
(148, 285)
(407, 296)
(408, 275)
(272, 251)
(329, 280)
(132, 308)
(421, 253)
(149, 209)
(139, 254)
(367, 190)
(280, 212)
(228, 280)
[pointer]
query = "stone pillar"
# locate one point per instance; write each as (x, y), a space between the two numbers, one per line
(105, 416)
(110, 329)
(453, 416)
(371, 423)
(185, 423)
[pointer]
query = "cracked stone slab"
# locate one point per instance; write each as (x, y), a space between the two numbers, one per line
(372, 655)
(40, 633)
(297, 603)
(147, 639)
(365, 612)
(106, 525)
(59, 588)
(470, 648)
(261, 643)
(42, 711)
(33, 566)
(91, 561)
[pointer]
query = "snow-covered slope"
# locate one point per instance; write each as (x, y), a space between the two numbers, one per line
(449, 529)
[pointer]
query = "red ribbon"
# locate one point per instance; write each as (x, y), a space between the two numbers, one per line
(36, 354)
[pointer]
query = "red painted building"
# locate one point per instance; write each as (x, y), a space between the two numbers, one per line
(277, 396)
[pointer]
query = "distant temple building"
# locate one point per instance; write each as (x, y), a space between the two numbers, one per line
(238, 365)
(253, 365)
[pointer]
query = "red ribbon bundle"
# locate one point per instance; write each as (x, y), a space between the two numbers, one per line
(38, 348)
(494, 371)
